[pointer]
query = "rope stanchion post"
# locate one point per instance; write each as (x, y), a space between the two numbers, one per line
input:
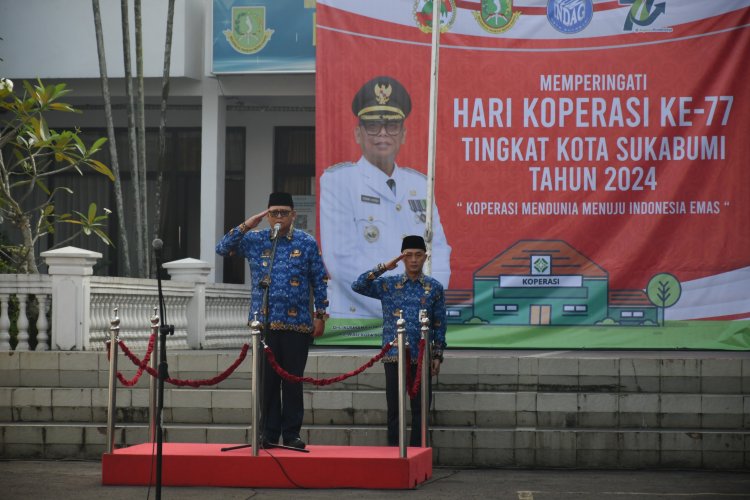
(424, 321)
(114, 330)
(153, 382)
(401, 339)
(255, 328)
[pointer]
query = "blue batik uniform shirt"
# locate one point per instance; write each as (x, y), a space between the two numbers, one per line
(399, 293)
(297, 268)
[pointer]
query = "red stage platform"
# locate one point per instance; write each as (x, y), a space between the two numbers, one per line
(188, 464)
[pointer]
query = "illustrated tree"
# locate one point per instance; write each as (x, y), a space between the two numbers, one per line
(31, 155)
(663, 291)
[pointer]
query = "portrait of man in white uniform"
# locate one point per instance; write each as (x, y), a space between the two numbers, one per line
(368, 206)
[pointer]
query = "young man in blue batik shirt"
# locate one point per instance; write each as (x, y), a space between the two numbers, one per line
(406, 293)
(296, 270)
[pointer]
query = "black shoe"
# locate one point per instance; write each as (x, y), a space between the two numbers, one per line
(295, 443)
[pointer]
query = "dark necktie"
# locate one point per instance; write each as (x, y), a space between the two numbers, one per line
(391, 184)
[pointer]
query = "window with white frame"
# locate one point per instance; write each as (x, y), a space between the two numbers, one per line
(506, 307)
(575, 308)
(631, 314)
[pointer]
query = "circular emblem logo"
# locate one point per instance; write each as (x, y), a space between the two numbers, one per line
(570, 16)
(372, 233)
(423, 14)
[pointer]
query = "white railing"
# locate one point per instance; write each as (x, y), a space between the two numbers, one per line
(135, 300)
(204, 315)
(225, 304)
(31, 292)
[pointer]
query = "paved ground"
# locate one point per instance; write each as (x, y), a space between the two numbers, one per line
(81, 480)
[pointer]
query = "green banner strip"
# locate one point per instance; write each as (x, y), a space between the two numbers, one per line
(692, 335)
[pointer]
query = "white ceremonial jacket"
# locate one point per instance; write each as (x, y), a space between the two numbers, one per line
(362, 223)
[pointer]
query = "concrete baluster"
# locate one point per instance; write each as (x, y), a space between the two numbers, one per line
(22, 323)
(42, 325)
(4, 323)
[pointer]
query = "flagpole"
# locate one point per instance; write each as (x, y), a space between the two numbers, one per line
(431, 138)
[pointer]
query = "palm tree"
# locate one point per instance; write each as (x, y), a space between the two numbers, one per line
(123, 236)
(140, 115)
(158, 222)
(133, 144)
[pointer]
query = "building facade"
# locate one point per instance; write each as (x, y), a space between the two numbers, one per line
(231, 138)
(544, 283)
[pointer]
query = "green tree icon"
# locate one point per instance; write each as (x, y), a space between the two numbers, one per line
(663, 291)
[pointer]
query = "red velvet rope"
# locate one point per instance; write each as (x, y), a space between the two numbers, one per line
(143, 365)
(325, 381)
(413, 388)
(146, 359)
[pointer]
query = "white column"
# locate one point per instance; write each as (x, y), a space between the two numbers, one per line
(70, 269)
(196, 272)
(213, 140)
(258, 167)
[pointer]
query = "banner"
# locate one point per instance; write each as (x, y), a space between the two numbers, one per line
(591, 180)
(261, 36)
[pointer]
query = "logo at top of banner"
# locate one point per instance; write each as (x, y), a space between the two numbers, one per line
(496, 16)
(423, 14)
(570, 16)
(642, 13)
(248, 34)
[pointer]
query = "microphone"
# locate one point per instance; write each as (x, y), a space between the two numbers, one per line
(157, 245)
(275, 230)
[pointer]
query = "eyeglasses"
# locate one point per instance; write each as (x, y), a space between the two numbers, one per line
(279, 213)
(392, 127)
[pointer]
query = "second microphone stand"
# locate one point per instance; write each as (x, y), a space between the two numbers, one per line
(164, 330)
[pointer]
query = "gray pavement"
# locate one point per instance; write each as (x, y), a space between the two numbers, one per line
(81, 480)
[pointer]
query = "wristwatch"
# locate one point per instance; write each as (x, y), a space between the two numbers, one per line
(321, 314)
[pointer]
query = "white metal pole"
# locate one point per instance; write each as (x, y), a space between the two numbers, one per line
(255, 327)
(424, 321)
(401, 336)
(114, 331)
(432, 134)
(152, 381)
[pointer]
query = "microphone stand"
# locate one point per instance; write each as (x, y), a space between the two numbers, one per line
(164, 330)
(265, 284)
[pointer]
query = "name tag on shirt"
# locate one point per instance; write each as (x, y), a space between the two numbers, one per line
(370, 199)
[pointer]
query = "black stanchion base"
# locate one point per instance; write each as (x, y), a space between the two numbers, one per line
(267, 446)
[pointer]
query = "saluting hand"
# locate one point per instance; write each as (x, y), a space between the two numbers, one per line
(391, 265)
(253, 221)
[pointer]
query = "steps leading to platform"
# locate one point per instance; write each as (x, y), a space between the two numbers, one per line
(491, 408)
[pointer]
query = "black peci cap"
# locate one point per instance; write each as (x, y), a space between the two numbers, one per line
(280, 200)
(413, 242)
(382, 98)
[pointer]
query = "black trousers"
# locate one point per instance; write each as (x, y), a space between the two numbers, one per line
(391, 398)
(282, 405)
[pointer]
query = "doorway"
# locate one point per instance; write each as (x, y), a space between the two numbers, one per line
(540, 314)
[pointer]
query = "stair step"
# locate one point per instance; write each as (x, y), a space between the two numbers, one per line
(504, 446)
(491, 408)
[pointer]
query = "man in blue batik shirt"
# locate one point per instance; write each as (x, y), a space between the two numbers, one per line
(406, 293)
(297, 268)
